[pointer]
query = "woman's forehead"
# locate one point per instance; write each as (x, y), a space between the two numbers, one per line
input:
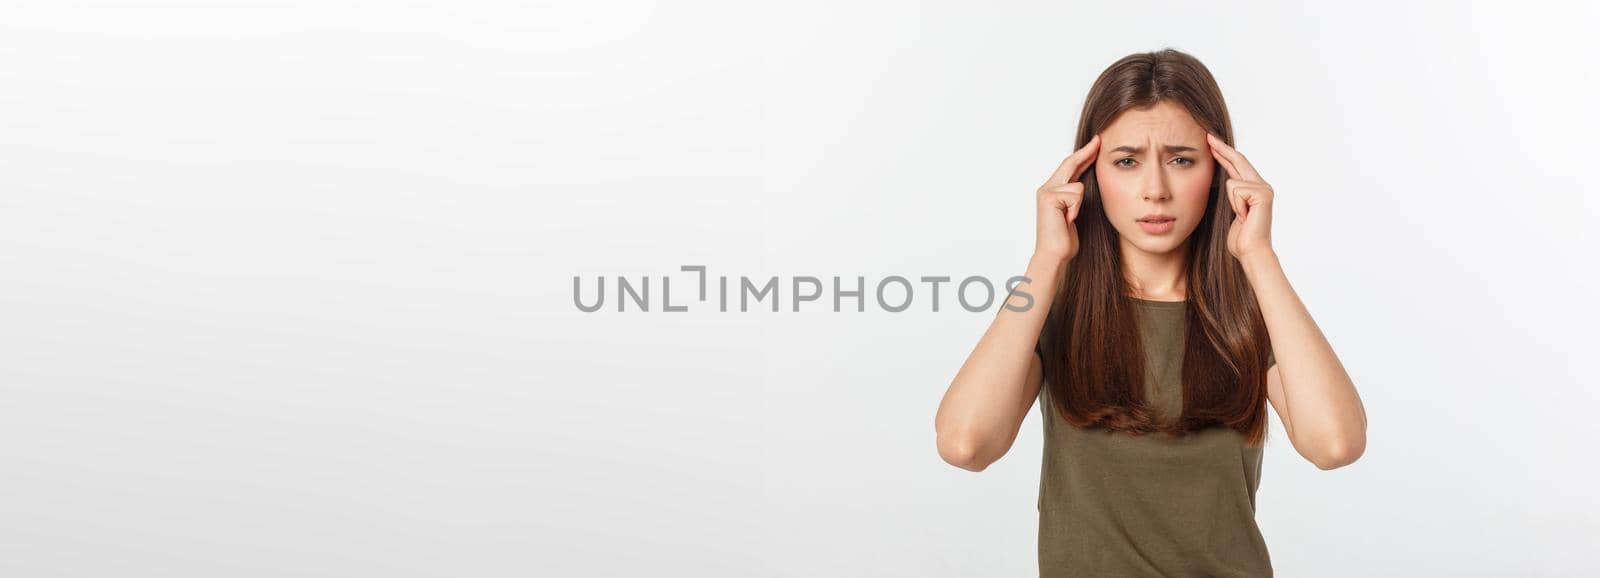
(1162, 124)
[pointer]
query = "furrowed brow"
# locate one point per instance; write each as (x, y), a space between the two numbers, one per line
(1168, 148)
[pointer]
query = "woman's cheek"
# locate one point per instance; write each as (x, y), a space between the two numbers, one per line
(1196, 184)
(1113, 194)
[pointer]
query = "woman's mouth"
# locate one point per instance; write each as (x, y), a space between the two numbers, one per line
(1157, 226)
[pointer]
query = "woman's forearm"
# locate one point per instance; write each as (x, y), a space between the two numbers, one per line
(992, 393)
(1320, 398)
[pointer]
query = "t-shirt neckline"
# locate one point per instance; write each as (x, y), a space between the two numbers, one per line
(1160, 304)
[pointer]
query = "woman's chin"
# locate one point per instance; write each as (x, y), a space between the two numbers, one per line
(1154, 246)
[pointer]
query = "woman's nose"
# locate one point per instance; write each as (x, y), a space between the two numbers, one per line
(1156, 188)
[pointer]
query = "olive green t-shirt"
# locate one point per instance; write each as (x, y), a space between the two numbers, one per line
(1113, 504)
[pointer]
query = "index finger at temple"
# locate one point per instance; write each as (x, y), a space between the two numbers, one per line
(1075, 163)
(1240, 164)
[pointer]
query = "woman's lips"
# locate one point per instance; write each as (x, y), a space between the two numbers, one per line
(1157, 227)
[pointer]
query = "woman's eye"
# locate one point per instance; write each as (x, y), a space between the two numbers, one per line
(1183, 161)
(1124, 162)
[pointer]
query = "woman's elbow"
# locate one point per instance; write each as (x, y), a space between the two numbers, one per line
(1341, 453)
(961, 452)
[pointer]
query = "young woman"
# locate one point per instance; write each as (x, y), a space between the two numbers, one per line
(1160, 308)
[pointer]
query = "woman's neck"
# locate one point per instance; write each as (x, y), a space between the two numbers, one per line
(1155, 276)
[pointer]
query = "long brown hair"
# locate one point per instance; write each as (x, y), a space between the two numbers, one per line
(1090, 348)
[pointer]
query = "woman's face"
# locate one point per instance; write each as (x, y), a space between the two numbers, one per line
(1154, 162)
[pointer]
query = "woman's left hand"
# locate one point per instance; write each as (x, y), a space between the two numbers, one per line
(1251, 198)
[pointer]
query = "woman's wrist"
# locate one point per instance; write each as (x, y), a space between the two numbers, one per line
(1045, 272)
(1046, 263)
(1255, 265)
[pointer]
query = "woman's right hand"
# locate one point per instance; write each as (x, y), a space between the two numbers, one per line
(1059, 200)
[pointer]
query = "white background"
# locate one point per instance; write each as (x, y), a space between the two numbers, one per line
(286, 287)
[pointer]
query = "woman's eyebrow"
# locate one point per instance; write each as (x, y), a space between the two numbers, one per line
(1167, 148)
